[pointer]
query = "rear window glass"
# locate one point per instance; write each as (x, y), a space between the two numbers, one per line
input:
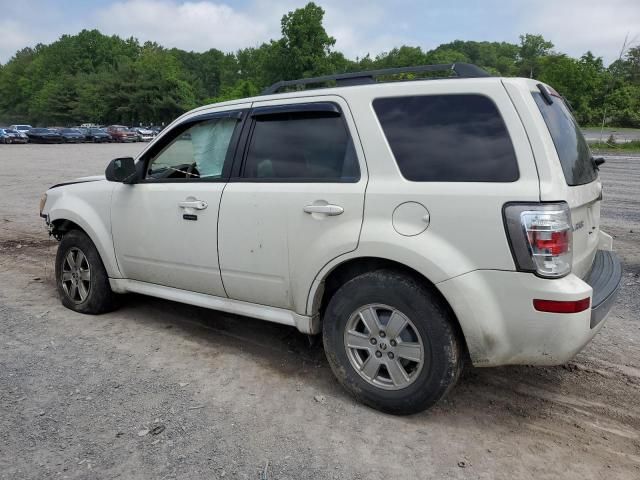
(572, 148)
(448, 138)
(312, 146)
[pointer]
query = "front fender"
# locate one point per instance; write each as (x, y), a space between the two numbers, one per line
(89, 206)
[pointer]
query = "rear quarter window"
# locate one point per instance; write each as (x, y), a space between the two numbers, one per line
(448, 138)
(572, 148)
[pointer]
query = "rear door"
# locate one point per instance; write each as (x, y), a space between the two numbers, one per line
(294, 202)
(583, 190)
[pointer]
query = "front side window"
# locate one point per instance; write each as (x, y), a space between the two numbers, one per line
(448, 138)
(301, 146)
(197, 152)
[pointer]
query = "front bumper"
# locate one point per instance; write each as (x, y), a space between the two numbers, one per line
(501, 327)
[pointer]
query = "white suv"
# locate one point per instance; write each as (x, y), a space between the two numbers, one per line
(414, 224)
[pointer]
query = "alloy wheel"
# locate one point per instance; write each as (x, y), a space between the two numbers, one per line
(384, 346)
(76, 275)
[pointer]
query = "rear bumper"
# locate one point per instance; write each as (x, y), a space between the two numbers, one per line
(604, 279)
(501, 327)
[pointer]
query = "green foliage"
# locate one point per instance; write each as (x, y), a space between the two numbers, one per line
(91, 77)
(532, 49)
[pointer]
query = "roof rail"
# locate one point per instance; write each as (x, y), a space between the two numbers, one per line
(463, 70)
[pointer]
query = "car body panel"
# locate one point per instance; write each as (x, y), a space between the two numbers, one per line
(584, 200)
(266, 237)
(184, 253)
(87, 203)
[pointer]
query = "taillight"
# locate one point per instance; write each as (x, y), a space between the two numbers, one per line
(540, 235)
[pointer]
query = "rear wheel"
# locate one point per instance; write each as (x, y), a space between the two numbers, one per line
(391, 343)
(83, 284)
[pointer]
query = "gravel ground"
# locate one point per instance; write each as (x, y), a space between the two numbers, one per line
(162, 390)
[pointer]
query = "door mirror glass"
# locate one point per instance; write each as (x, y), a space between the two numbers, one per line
(121, 170)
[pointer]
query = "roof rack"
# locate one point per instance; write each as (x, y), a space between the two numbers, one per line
(462, 70)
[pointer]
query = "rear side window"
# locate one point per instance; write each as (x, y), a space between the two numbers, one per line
(301, 146)
(448, 138)
(572, 148)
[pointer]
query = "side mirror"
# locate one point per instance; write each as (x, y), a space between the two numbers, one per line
(121, 170)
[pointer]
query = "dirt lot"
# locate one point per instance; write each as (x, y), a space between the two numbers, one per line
(80, 396)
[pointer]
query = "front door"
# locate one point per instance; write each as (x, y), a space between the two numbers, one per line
(165, 227)
(294, 202)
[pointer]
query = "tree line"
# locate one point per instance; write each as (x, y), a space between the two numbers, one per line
(91, 77)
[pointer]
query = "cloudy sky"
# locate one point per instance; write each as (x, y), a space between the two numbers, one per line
(359, 26)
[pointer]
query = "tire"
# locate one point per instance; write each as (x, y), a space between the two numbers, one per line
(428, 332)
(98, 297)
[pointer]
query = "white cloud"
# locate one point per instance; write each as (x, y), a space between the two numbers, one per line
(359, 26)
(14, 37)
(198, 25)
(576, 26)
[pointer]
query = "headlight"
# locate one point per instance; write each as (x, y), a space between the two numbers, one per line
(43, 201)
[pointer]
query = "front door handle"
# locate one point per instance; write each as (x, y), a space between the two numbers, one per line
(329, 210)
(195, 204)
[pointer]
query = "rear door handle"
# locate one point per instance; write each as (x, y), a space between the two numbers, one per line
(195, 204)
(329, 210)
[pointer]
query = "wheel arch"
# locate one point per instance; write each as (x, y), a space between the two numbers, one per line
(61, 223)
(62, 226)
(351, 268)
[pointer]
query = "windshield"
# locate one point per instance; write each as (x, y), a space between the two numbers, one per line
(573, 151)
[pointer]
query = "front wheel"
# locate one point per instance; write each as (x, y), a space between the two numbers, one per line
(83, 284)
(391, 343)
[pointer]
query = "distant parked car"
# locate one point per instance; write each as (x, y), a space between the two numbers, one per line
(120, 133)
(71, 135)
(96, 135)
(21, 129)
(144, 134)
(12, 136)
(44, 135)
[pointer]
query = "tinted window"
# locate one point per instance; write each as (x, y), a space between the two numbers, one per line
(198, 152)
(572, 148)
(301, 146)
(448, 138)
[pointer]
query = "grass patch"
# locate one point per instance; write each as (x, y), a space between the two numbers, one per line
(610, 129)
(633, 146)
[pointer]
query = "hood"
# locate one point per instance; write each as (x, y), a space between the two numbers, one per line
(93, 178)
